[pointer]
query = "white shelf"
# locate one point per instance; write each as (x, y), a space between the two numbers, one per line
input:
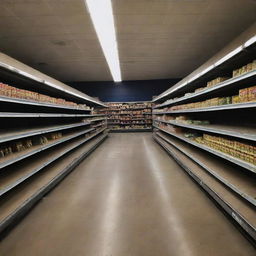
(15, 157)
(230, 158)
(36, 103)
(13, 114)
(207, 90)
(15, 204)
(200, 72)
(241, 211)
(214, 108)
(234, 131)
(239, 182)
(19, 174)
(14, 135)
(19, 69)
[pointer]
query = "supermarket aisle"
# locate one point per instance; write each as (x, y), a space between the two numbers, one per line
(126, 199)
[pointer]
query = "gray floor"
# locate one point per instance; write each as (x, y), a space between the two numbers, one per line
(128, 198)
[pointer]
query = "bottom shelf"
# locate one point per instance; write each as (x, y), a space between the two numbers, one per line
(19, 200)
(131, 130)
(238, 209)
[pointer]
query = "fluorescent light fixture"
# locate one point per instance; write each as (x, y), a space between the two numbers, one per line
(229, 55)
(102, 18)
(251, 41)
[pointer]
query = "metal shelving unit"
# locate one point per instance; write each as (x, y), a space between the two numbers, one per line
(21, 198)
(233, 59)
(15, 157)
(237, 209)
(215, 108)
(238, 182)
(19, 174)
(31, 164)
(126, 109)
(10, 114)
(229, 180)
(217, 88)
(247, 133)
(230, 158)
(23, 133)
(36, 103)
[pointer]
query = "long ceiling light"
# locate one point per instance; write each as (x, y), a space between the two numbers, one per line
(102, 18)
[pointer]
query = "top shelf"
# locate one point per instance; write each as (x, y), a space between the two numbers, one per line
(17, 73)
(238, 56)
(38, 103)
(221, 86)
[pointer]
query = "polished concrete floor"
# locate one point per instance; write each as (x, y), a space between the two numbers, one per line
(128, 198)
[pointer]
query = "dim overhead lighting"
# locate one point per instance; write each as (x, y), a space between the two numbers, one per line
(102, 18)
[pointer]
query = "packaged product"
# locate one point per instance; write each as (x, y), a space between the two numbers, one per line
(252, 93)
(243, 95)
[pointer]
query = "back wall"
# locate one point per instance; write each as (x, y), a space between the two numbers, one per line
(126, 90)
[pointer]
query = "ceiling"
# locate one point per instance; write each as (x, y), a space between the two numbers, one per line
(157, 39)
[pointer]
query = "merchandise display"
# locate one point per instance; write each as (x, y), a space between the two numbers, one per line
(213, 83)
(237, 149)
(245, 95)
(48, 131)
(16, 93)
(181, 119)
(244, 69)
(26, 144)
(216, 148)
(129, 116)
(128, 128)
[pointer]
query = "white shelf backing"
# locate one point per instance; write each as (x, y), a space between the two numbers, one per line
(239, 182)
(234, 131)
(14, 135)
(36, 103)
(214, 108)
(18, 201)
(15, 157)
(234, 160)
(234, 206)
(216, 88)
(13, 114)
(21, 173)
